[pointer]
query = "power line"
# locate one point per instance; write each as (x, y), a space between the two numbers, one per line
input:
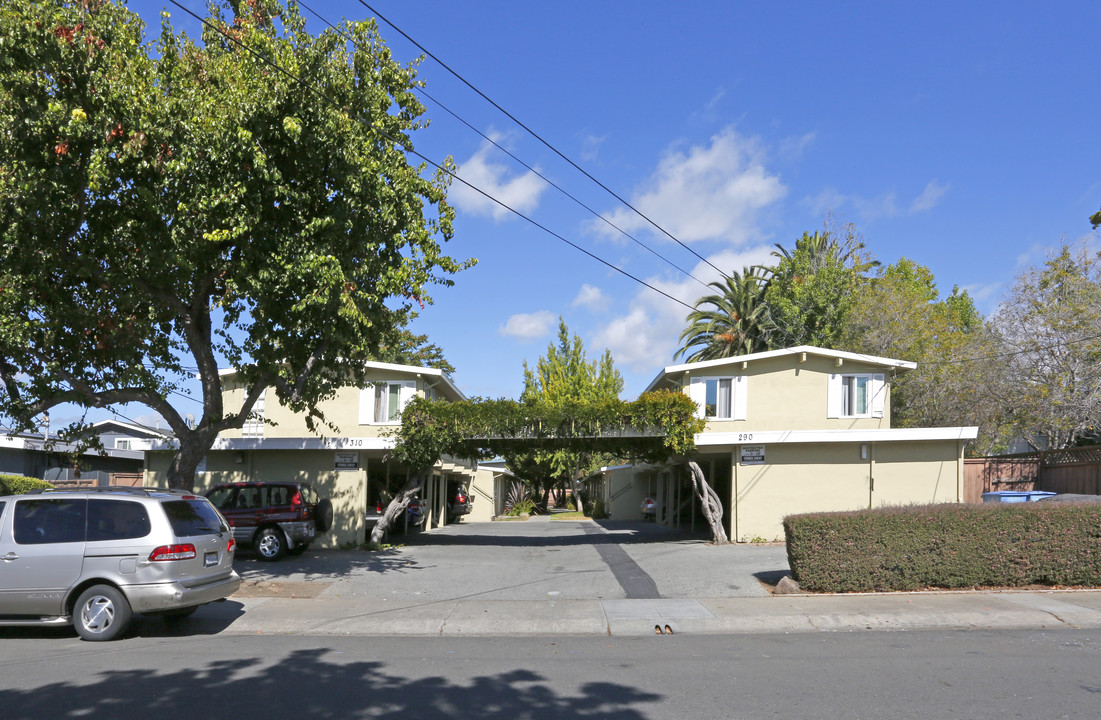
(538, 137)
(431, 162)
(531, 169)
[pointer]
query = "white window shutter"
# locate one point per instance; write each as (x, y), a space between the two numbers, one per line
(408, 392)
(833, 397)
(367, 405)
(738, 390)
(878, 390)
(697, 390)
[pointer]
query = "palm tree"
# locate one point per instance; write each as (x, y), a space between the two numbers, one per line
(731, 322)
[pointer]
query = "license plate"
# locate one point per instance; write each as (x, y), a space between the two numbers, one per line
(210, 559)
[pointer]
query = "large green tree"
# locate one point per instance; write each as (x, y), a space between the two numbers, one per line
(168, 206)
(813, 287)
(1051, 327)
(900, 314)
(562, 378)
(732, 321)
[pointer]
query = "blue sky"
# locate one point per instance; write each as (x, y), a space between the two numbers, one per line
(961, 135)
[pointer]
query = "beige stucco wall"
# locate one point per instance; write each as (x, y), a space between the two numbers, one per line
(783, 393)
(346, 488)
(802, 478)
(341, 410)
(481, 488)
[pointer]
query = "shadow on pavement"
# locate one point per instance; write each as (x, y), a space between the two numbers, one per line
(552, 533)
(317, 684)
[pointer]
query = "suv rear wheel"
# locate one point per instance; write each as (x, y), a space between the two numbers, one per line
(101, 613)
(271, 544)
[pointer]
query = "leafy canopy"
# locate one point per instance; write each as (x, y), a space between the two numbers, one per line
(168, 206)
(654, 428)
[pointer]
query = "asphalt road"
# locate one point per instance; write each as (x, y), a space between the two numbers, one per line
(926, 674)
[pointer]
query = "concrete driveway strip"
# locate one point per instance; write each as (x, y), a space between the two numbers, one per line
(543, 577)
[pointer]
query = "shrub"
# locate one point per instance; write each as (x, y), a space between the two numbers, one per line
(946, 546)
(16, 484)
(524, 507)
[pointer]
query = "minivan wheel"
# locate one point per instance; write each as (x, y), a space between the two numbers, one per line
(101, 613)
(271, 544)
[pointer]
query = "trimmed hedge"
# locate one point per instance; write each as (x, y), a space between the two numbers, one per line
(15, 484)
(946, 546)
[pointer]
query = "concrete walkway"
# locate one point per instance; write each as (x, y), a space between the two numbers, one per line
(549, 577)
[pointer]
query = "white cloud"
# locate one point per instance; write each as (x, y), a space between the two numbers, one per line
(929, 197)
(526, 327)
(590, 145)
(792, 148)
(884, 205)
(645, 338)
(519, 192)
(704, 193)
(591, 297)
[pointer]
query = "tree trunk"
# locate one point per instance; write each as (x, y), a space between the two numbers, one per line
(397, 507)
(192, 447)
(709, 501)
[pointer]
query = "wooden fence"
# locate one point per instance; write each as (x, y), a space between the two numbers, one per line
(1075, 470)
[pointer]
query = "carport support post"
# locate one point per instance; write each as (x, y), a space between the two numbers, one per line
(397, 506)
(710, 502)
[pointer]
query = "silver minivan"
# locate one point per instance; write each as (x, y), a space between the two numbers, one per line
(96, 556)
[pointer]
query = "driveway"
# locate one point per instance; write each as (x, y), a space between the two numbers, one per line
(532, 560)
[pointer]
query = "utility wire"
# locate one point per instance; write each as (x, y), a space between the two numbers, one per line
(536, 135)
(276, 66)
(531, 169)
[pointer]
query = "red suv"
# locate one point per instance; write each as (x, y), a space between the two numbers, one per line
(276, 518)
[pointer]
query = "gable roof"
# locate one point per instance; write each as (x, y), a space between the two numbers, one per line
(393, 367)
(797, 350)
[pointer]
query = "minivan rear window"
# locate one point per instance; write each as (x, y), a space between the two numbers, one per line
(193, 517)
(117, 520)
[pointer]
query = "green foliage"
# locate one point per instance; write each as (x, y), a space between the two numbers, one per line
(731, 322)
(946, 546)
(563, 378)
(804, 299)
(657, 426)
(1049, 327)
(899, 314)
(524, 507)
(166, 204)
(813, 288)
(597, 510)
(16, 484)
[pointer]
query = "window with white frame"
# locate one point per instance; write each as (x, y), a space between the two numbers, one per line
(122, 443)
(719, 398)
(382, 403)
(856, 395)
(254, 424)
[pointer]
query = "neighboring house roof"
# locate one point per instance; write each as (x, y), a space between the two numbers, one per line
(130, 429)
(37, 443)
(797, 350)
(393, 367)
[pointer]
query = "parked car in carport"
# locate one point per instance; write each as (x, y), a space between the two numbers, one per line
(275, 518)
(459, 502)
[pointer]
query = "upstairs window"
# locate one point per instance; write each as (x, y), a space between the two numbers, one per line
(719, 398)
(254, 424)
(382, 403)
(859, 395)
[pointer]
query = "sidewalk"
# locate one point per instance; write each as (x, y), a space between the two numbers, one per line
(546, 577)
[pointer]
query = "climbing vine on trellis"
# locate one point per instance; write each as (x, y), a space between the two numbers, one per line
(659, 427)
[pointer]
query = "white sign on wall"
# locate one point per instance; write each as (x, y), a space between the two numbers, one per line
(346, 460)
(753, 454)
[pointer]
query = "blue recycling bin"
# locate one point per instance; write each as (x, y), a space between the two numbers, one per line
(1015, 496)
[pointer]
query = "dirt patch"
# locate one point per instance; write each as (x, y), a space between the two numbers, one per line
(265, 588)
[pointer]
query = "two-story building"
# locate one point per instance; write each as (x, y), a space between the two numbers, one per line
(803, 429)
(351, 465)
